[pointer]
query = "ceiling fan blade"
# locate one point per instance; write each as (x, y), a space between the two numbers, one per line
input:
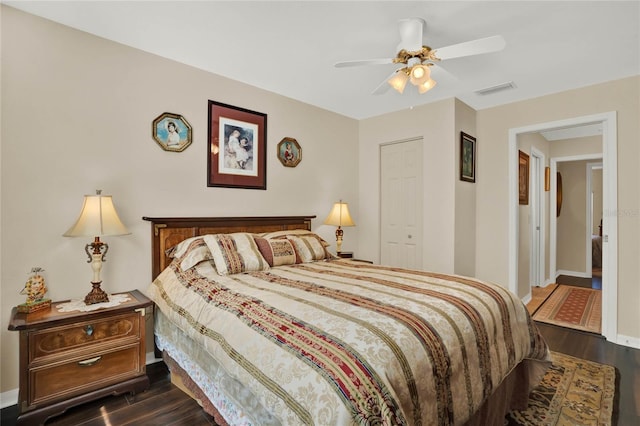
(411, 34)
(363, 62)
(474, 47)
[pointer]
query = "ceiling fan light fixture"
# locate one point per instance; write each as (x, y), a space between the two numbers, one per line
(399, 80)
(420, 74)
(426, 86)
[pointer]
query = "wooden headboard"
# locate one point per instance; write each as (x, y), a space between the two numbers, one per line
(166, 232)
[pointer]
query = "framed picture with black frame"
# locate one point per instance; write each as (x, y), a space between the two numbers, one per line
(236, 149)
(467, 157)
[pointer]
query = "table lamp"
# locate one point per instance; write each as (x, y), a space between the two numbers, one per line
(98, 218)
(339, 216)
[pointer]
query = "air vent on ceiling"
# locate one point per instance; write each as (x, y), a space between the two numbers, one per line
(497, 88)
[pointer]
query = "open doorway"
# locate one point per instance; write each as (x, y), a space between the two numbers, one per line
(609, 250)
(578, 237)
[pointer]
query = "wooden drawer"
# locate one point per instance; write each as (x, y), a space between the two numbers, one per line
(52, 341)
(85, 373)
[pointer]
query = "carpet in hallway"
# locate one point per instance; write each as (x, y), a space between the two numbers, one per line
(574, 307)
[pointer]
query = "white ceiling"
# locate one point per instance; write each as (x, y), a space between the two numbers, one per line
(290, 47)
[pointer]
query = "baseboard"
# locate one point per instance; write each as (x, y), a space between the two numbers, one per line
(151, 358)
(632, 342)
(527, 298)
(10, 397)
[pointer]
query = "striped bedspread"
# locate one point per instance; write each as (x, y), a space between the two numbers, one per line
(344, 343)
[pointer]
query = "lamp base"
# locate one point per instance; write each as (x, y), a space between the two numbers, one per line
(339, 234)
(96, 295)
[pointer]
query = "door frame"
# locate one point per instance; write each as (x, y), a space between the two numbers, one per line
(589, 257)
(609, 206)
(537, 203)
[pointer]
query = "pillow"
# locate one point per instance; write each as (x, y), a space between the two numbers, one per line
(180, 248)
(277, 252)
(310, 247)
(293, 232)
(235, 253)
(190, 252)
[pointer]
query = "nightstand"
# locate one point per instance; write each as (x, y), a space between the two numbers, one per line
(68, 358)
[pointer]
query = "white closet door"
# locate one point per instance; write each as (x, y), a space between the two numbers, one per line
(401, 204)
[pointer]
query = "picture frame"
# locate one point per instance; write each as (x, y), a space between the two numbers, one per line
(547, 179)
(172, 132)
(467, 157)
(289, 152)
(237, 146)
(523, 178)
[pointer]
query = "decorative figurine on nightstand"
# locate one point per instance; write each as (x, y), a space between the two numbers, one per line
(35, 289)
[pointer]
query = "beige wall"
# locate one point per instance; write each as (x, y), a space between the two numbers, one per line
(576, 146)
(76, 116)
(435, 123)
(572, 222)
(493, 124)
(465, 206)
(449, 204)
(571, 226)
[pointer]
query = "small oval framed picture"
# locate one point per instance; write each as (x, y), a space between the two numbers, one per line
(172, 132)
(289, 152)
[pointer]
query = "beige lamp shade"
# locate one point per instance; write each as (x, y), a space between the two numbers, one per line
(339, 215)
(420, 74)
(98, 218)
(399, 80)
(426, 86)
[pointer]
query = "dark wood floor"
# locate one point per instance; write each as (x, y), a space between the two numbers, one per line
(164, 404)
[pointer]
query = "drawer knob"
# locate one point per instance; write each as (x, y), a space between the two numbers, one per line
(89, 330)
(89, 362)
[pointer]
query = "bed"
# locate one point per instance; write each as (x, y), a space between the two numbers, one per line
(262, 325)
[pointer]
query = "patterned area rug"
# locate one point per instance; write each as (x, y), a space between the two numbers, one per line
(573, 392)
(575, 307)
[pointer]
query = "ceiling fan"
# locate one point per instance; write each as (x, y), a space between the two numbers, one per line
(418, 59)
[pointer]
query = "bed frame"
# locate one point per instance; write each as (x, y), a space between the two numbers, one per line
(166, 232)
